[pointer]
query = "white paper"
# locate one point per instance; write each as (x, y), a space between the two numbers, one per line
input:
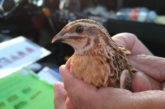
(49, 75)
(17, 53)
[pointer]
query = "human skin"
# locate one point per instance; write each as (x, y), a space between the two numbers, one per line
(148, 86)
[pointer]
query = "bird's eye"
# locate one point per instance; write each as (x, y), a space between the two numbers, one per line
(79, 29)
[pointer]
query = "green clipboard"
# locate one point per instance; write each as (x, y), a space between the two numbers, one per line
(24, 90)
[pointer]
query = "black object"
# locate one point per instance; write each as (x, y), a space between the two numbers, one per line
(151, 34)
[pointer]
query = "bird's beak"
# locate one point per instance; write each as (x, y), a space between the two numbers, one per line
(63, 37)
(59, 38)
(55, 39)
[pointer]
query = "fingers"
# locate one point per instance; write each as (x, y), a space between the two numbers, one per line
(141, 82)
(151, 65)
(78, 91)
(132, 43)
(60, 96)
(72, 83)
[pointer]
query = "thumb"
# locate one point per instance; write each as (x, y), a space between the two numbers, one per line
(151, 65)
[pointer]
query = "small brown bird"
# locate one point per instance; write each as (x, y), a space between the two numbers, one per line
(97, 59)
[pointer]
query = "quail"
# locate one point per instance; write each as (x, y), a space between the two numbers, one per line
(97, 59)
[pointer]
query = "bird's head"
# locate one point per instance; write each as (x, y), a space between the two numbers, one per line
(82, 35)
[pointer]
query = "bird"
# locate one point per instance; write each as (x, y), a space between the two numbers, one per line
(97, 59)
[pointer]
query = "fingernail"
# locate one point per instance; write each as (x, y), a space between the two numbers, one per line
(57, 86)
(61, 68)
(68, 64)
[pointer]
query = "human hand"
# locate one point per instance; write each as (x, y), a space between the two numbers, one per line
(140, 81)
(85, 96)
(140, 58)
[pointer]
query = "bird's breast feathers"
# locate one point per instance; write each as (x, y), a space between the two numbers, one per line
(92, 69)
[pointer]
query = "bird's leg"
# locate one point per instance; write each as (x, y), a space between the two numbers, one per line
(125, 80)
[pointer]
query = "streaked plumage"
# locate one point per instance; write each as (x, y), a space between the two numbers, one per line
(97, 59)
